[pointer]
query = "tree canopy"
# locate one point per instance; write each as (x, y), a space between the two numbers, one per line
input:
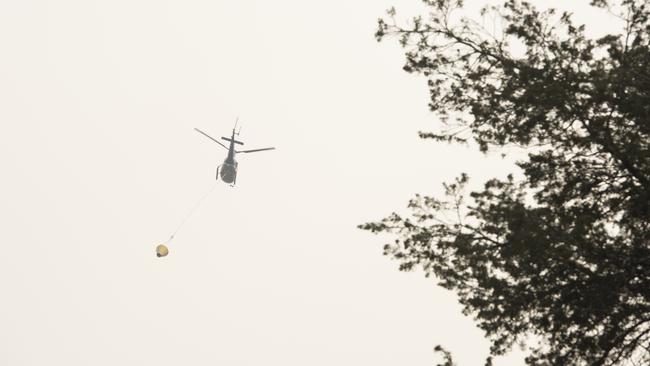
(561, 256)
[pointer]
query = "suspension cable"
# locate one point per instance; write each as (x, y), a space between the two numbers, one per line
(191, 212)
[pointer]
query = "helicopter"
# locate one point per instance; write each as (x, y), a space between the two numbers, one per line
(229, 165)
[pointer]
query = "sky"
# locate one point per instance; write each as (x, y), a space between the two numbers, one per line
(100, 163)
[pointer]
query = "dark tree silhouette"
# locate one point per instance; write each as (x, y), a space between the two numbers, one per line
(561, 256)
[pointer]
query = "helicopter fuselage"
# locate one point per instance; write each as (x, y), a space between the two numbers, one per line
(228, 171)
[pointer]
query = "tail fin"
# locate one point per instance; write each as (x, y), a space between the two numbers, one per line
(232, 140)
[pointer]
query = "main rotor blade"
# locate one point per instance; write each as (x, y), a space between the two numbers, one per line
(208, 136)
(249, 151)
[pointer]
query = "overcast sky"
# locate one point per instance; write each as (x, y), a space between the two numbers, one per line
(100, 163)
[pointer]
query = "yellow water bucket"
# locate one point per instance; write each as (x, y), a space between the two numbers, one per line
(161, 251)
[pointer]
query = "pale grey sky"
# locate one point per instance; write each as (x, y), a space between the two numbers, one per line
(98, 100)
